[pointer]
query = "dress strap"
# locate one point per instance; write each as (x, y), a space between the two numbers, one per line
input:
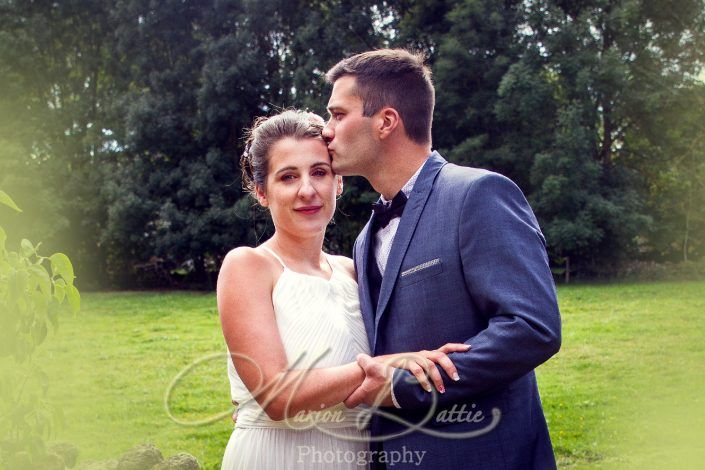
(275, 255)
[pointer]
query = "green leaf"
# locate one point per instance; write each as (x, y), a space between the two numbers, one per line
(59, 291)
(74, 298)
(22, 306)
(7, 388)
(22, 349)
(40, 301)
(61, 266)
(42, 377)
(7, 200)
(41, 277)
(18, 281)
(53, 316)
(3, 237)
(39, 332)
(5, 267)
(7, 336)
(14, 259)
(27, 248)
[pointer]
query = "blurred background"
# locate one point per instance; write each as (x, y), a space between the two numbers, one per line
(121, 122)
(121, 127)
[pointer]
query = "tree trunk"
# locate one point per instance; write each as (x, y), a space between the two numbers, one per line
(605, 97)
(606, 151)
(687, 227)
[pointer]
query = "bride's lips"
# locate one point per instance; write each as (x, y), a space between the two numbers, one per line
(308, 210)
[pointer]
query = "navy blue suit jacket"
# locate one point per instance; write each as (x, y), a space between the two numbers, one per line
(468, 264)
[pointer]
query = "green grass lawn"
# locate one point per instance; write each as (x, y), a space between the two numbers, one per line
(626, 390)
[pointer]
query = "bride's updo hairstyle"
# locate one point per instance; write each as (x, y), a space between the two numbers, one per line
(267, 131)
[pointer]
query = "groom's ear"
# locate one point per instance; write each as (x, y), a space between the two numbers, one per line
(389, 120)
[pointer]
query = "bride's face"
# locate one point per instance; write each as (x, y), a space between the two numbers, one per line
(301, 187)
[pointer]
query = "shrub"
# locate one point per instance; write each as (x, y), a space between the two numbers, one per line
(32, 298)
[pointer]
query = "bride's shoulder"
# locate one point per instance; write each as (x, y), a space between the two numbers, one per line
(347, 265)
(245, 262)
(243, 255)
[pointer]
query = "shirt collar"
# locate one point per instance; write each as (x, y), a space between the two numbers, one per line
(408, 187)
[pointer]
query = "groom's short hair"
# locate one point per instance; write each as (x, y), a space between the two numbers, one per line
(396, 78)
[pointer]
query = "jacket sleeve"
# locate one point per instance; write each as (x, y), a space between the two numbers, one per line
(354, 255)
(506, 271)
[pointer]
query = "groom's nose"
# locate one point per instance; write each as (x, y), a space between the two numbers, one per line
(328, 133)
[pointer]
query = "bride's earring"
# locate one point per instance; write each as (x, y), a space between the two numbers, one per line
(339, 190)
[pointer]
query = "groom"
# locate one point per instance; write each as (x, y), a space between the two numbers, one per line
(450, 254)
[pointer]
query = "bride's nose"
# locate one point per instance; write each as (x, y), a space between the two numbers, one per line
(306, 190)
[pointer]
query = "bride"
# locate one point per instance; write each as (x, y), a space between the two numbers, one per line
(290, 314)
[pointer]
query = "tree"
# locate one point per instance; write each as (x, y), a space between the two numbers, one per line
(121, 122)
(55, 106)
(476, 52)
(670, 156)
(201, 74)
(607, 64)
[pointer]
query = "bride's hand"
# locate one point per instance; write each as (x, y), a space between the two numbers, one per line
(423, 364)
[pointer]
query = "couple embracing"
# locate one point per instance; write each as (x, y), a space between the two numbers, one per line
(419, 352)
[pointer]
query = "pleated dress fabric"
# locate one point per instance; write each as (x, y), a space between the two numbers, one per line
(320, 325)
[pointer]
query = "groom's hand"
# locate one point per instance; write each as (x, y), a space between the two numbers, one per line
(376, 388)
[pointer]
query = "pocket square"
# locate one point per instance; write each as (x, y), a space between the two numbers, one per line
(421, 266)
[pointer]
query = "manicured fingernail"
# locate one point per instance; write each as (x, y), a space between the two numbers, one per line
(456, 377)
(428, 388)
(442, 390)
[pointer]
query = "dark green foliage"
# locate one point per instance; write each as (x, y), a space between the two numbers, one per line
(57, 87)
(201, 74)
(121, 122)
(553, 94)
(609, 63)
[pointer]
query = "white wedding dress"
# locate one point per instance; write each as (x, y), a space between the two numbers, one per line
(320, 326)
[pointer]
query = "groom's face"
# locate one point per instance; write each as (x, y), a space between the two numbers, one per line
(349, 134)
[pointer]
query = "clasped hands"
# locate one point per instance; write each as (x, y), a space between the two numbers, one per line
(376, 387)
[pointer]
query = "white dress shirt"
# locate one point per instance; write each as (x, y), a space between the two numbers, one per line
(385, 237)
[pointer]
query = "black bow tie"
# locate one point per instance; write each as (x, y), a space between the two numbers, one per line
(384, 213)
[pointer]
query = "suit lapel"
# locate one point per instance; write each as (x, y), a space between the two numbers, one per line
(361, 262)
(407, 225)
